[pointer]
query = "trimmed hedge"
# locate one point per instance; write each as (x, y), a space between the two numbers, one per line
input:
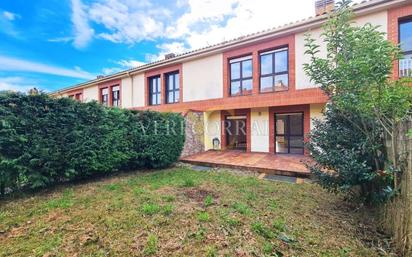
(44, 140)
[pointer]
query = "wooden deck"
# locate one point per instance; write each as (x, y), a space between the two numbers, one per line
(278, 164)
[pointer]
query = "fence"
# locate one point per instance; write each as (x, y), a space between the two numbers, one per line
(397, 219)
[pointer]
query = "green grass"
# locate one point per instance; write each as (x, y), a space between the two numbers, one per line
(267, 248)
(150, 208)
(169, 198)
(262, 230)
(211, 252)
(279, 225)
(112, 187)
(184, 212)
(168, 209)
(151, 245)
(242, 208)
(203, 217)
(188, 182)
(63, 202)
(208, 201)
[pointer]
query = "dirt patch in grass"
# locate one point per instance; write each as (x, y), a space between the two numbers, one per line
(199, 194)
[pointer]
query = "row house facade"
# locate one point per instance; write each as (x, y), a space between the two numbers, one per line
(252, 92)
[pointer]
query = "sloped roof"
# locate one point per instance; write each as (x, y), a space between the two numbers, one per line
(292, 27)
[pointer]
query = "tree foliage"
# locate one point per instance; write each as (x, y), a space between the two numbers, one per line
(365, 102)
(44, 140)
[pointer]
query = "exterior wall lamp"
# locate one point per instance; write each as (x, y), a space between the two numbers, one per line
(216, 143)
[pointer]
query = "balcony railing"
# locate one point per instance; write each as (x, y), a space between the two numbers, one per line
(405, 68)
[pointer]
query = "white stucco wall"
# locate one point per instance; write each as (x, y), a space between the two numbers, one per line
(259, 119)
(315, 113)
(212, 128)
(90, 94)
(303, 81)
(126, 93)
(203, 78)
(138, 90)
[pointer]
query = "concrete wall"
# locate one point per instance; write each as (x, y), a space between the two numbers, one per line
(260, 129)
(203, 78)
(212, 128)
(303, 81)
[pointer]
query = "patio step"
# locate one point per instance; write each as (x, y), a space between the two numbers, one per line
(268, 171)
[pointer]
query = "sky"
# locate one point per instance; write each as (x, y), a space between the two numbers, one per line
(52, 44)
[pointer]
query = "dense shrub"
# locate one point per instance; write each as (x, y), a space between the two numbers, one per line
(339, 145)
(364, 110)
(45, 140)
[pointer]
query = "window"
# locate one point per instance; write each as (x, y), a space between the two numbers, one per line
(76, 96)
(241, 73)
(405, 41)
(289, 133)
(274, 71)
(154, 90)
(116, 96)
(109, 94)
(172, 87)
(104, 96)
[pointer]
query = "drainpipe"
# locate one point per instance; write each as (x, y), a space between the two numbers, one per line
(132, 78)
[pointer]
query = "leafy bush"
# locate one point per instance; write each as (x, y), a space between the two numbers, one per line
(44, 140)
(339, 145)
(364, 109)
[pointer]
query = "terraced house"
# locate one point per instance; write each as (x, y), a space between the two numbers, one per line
(251, 93)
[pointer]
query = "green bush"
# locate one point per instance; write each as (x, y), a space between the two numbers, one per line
(44, 140)
(336, 144)
(364, 111)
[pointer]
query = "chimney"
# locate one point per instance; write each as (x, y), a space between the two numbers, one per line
(100, 76)
(324, 6)
(169, 56)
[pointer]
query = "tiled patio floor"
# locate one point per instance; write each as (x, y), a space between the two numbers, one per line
(288, 165)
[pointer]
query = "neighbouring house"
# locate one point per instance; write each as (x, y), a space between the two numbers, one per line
(249, 93)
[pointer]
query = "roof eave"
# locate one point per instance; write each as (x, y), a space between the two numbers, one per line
(295, 27)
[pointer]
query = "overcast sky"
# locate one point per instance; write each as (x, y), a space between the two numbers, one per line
(50, 44)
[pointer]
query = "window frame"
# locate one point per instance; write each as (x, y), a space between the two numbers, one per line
(157, 93)
(76, 96)
(401, 21)
(241, 59)
(175, 91)
(105, 103)
(112, 101)
(288, 133)
(110, 96)
(273, 73)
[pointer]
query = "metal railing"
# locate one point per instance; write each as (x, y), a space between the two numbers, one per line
(405, 68)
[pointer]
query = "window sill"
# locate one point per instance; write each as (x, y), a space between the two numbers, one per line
(271, 92)
(173, 103)
(240, 95)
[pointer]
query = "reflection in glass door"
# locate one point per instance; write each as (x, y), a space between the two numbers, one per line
(235, 129)
(289, 133)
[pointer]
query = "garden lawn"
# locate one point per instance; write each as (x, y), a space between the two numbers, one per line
(181, 212)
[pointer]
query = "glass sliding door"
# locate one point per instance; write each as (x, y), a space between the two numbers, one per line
(289, 133)
(235, 129)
